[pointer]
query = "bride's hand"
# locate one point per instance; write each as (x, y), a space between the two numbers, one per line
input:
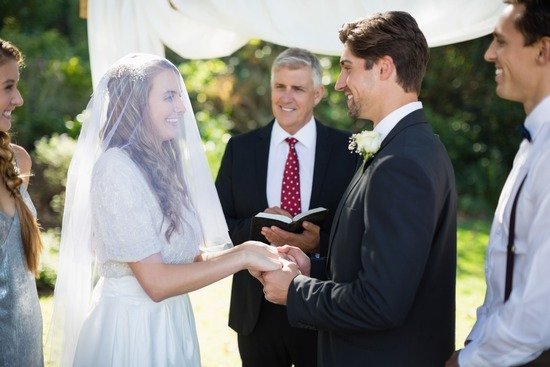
(260, 257)
(255, 246)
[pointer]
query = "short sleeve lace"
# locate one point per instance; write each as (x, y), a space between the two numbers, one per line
(127, 220)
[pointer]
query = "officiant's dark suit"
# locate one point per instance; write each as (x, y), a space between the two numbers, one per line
(265, 336)
(390, 295)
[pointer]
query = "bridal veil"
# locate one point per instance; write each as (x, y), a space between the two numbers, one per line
(118, 116)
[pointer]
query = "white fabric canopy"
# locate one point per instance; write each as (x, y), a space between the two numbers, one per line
(199, 29)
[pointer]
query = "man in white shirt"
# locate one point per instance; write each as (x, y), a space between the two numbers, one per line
(251, 180)
(513, 324)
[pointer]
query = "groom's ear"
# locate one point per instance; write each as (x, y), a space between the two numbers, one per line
(544, 51)
(386, 67)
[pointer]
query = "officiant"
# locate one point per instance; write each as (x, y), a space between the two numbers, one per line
(288, 166)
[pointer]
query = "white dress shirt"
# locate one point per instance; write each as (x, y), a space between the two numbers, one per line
(278, 152)
(516, 332)
(388, 123)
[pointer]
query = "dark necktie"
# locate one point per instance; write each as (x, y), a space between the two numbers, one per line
(524, 132)
(290, 189)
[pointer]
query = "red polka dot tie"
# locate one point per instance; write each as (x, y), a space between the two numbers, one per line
(290, 190)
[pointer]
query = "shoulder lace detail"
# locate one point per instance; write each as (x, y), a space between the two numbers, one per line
(127, 220)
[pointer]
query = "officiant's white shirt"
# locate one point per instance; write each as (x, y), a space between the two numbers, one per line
(278, 151)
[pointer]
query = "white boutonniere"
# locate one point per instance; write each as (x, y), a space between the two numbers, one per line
(365, 143)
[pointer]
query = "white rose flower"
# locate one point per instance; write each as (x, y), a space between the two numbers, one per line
(365, 143)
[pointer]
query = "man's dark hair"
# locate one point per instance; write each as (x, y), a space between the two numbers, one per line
(534, 21)
(395, 34)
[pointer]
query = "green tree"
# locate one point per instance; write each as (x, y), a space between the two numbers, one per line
(231, 95)
(56, 82)
(458, 93)
(476, 126)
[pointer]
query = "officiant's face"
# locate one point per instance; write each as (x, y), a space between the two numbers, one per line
(166, 105)
(514, 62)
(293, 97)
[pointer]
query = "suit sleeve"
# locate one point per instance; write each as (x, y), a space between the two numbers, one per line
(239, 228)
(319, 264)
(394, 247)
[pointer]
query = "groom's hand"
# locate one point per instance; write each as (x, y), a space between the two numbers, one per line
(308, 240)
(276, 282)
(297, 256)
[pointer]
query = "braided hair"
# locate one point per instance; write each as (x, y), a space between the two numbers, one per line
(11, 177)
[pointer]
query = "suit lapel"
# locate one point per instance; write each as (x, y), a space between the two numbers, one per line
(413, 118)
(261, 154)
(337, 214)
(323, 149)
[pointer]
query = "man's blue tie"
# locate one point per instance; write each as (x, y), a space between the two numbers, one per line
(524, 132)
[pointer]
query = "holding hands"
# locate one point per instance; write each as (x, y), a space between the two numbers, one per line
(294, 262)
(297, 256)
(260, 256)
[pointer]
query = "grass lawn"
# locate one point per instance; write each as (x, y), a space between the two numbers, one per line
(473, 237)
(218, 342)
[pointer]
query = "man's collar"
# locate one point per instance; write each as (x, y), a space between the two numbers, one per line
(306, 135)
(388, 123)
(537, 117)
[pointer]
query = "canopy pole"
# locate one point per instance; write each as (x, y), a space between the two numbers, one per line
(83, 11)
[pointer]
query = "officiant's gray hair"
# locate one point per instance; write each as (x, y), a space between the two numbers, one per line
(296, 58)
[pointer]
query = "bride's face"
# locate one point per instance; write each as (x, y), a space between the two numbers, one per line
(166, 105)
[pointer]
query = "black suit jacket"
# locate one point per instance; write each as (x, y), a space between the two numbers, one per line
(390, 300)
(241, 185)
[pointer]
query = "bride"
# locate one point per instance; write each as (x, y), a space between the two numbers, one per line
(142, 215)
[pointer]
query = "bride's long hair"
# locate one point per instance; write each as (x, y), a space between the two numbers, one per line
(129, 126)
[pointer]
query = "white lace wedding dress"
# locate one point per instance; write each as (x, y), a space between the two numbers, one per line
(124, 326)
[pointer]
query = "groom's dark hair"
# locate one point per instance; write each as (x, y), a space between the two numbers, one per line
(534, 21)
(395, 34)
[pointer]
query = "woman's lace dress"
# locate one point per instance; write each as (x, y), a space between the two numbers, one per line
(124, 326)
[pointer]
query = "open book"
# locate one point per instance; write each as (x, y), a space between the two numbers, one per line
(294, 225)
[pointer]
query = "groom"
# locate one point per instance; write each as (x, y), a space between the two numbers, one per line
(389, 300)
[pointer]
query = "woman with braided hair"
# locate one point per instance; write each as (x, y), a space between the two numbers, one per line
(20, 244)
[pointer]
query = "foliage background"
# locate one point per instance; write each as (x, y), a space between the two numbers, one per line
(230, 95)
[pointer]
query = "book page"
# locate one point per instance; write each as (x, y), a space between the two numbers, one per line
(278, 217)
(308, 212)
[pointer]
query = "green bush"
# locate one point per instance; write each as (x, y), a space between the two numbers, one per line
(458, 93)
(51, 158)
(55, 85)
(231, 95)
(48, 262)
(476, 126)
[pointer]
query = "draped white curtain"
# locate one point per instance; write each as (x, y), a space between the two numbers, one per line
(199, 29)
